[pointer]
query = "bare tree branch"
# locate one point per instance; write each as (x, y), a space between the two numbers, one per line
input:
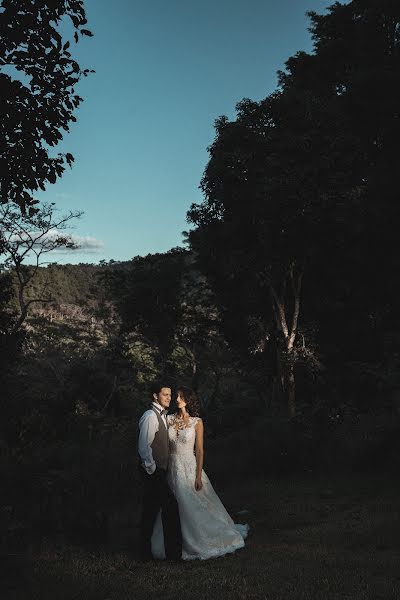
(24, 235)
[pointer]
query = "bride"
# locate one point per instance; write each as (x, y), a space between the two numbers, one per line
(207, 529)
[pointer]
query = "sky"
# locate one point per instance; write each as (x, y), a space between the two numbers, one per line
(165, 70)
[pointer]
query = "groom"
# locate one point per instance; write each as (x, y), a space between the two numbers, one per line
(153, 448)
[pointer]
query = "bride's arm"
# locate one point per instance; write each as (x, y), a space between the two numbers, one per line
(199, 449)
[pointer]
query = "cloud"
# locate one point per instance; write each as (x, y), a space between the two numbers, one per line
(87, 242)
(83, 244)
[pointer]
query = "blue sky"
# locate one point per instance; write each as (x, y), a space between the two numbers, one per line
(165, 70)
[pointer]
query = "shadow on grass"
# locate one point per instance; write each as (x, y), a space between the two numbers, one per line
(311, 538)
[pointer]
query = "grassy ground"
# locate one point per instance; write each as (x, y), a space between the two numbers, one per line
(312, 537)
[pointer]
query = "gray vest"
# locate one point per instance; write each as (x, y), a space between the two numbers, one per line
(160, 445)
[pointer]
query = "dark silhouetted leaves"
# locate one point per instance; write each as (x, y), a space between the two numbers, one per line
(38, 104)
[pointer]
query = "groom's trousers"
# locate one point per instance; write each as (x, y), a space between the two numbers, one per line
(158, 496)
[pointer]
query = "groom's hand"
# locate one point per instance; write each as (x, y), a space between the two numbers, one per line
(198, 484)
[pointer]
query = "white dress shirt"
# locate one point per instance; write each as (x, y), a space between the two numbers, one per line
(148, 427)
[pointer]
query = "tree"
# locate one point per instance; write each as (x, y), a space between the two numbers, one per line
(357, 55)
(294, 185)
(257, 231)
(168, 318)
(25, 236)
(198, 325)
(38, 75)
(147, 293)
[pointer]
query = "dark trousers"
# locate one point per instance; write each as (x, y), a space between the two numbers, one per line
(157, 495)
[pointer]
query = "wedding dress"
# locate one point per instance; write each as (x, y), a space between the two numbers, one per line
(207, 529)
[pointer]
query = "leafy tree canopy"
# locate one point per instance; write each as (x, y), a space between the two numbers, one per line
(306, 181)
(38, 75)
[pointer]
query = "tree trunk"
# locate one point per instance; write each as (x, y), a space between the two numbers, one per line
(286, 322)
(286, 379)
(290, 386)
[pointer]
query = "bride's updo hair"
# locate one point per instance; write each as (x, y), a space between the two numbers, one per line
(192, 403)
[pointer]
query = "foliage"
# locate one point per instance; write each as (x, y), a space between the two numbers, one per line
(169, 320)
(148, 297)
(38, 75)
(304, 182)
(30, 236)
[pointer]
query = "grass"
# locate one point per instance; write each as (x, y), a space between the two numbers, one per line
(312, 537)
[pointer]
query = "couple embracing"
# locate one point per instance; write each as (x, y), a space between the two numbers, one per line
(182, 516)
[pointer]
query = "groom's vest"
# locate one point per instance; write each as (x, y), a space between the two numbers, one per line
(160, 447)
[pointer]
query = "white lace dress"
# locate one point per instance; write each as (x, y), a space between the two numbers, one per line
(207, 529)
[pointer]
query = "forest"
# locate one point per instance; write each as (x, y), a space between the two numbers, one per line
(280, 308)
